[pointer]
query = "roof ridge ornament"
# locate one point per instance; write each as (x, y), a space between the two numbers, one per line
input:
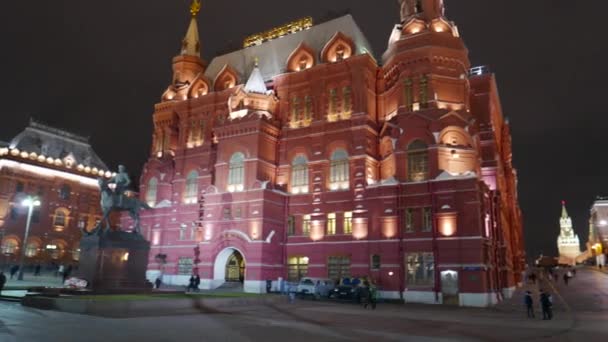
(195, 7)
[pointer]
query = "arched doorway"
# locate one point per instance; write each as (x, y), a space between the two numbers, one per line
(229, 266)
(235, 268)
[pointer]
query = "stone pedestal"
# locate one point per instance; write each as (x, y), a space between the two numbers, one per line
(115, 261)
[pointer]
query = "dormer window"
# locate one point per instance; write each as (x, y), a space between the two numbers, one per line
(340, 52)
(303, 63)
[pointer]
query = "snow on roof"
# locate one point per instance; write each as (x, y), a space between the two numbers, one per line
(273, 54)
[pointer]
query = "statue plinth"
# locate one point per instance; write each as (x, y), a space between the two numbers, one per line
(114, 261)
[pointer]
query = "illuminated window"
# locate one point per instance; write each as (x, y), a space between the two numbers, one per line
(347, 102)
(10, 246)
(308, 110)
(339, 171)
(348, 222)
(295, 112)
(306, 225)
(182, 233)
(420, 269)
(408, 94)
(227, 213)
(151, 191)
(417, 162)
(191, 193)
(427, 220)
(60, 220)
(333, 104)
(236, 173)
(340, 50)
(291, 226)
(32, 249)
(338, 267)
(331, 224)
(424, 91)
(299, 175)
(297, 268)
(409, 220)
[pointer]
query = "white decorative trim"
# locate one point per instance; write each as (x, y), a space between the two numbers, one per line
(254, 286)
(389, 294)
(480, 300)
(424, 297)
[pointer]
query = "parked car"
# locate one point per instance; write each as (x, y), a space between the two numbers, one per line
(306, 286)
(347, 292)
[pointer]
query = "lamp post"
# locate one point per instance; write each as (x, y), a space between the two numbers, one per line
(30, 203)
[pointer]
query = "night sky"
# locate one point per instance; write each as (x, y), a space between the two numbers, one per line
(98, 67)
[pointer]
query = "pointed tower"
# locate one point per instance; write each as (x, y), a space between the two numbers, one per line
(253, 98)
(188, 67)
(568, 242)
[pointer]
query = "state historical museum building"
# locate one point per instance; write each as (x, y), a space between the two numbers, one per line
(303, 155)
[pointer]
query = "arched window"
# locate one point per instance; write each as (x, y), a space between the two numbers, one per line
(151, 191)
(32, 248)
(60, 221)
(339, 171)
(236, 173)
(191, 191)
(10, 246)
(299, 175)
(417, 162)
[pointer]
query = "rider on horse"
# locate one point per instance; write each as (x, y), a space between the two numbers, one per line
(122, 181)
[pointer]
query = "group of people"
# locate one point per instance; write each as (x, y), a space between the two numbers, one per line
(195, 281)
(546, 304)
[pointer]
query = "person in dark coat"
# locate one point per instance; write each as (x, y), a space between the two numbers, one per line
(191, 283)
(66, 272)
(157, 282)
(197, 282)
(37, 270)
(546, 304)
(14, 270)
(2, 281)
(529, 304)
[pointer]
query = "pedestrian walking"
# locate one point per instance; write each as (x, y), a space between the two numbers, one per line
(373, 296)
(37, 270)
(546, 304)
(14, 270)
(60, 270)
(529, 304)
(157, 282)
(191, 283)
(2, 281)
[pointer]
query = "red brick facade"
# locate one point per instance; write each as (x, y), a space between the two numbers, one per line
(338, 165)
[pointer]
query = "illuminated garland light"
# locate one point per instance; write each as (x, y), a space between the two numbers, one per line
(45, 172)
(278, 32)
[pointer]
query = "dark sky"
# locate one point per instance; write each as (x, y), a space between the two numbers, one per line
(98, 67)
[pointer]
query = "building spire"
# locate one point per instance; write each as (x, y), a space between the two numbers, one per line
(564, 211)
(191, 45)
(256, 83)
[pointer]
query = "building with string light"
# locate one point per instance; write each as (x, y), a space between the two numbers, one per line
(60, 170)
(302, 154)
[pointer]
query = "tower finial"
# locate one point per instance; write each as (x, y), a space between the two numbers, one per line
(195, 7)
(564, 211)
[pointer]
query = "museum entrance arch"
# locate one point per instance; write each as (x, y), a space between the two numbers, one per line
(229, 266)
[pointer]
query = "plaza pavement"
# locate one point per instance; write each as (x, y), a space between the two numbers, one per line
(581, 311)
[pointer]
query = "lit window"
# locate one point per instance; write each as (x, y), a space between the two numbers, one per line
(427, 220)
(409, 220)
(236, 173)
(60, 220)
(32, 249)
(291, 226)
(417, 162)
(10, 246)
(191, 193)
(306, 225)
(420, 269)
(347, 102)
(182, 233)
(184, 266)
(299, 175)
(297, 268)
(339, 171)
(348, 222)
(151, 191)
(331, 224)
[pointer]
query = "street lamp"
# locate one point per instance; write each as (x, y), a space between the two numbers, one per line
(29, 202)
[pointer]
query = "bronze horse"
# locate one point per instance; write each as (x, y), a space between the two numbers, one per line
(109, 203)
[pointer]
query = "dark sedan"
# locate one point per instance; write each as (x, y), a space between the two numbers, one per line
(347, 292)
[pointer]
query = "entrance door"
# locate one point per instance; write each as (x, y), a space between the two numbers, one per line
(449, 287)
(235, 268)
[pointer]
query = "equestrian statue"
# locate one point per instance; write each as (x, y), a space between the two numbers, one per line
(116, 200)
